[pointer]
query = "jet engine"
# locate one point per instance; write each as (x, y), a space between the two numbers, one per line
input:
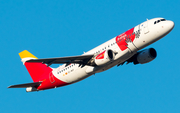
(143, 56)
(102, 58)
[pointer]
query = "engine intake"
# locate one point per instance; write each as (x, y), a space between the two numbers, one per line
(143, 56)
(102, 58)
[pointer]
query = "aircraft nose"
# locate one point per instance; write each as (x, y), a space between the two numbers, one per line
(170, 25)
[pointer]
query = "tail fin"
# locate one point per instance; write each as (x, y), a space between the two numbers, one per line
(38, 71)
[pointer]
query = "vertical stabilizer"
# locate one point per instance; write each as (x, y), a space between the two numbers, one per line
(38, 71)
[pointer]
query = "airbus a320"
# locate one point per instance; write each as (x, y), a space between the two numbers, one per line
(124, 48)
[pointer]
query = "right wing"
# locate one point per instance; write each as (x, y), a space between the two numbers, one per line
(83, 59)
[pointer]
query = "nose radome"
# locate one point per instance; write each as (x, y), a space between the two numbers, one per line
(170, 25)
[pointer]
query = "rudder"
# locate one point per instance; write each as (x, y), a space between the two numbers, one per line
(38, 71)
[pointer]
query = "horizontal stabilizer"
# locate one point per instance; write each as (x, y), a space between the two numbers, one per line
(34, 84)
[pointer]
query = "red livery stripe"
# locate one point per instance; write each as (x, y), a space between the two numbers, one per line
(101, 55)
(122, 38)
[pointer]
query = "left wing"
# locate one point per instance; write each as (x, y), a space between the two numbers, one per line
(83, 59)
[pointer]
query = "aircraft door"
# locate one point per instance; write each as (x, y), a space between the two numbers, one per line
(145, 27)
(51, 77)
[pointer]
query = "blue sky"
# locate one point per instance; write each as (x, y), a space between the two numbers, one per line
(58, 28)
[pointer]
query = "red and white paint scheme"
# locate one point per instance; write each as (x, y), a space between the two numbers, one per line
(125, 47)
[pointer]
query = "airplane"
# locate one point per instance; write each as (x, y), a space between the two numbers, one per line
(124, 48)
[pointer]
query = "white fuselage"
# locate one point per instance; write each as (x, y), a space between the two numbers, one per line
(146, 33)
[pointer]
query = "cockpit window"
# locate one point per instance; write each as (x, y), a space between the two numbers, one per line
(163, 19)
(159, 21)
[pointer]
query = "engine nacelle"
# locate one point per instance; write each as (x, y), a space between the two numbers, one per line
(103, 58)
(144, 56)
